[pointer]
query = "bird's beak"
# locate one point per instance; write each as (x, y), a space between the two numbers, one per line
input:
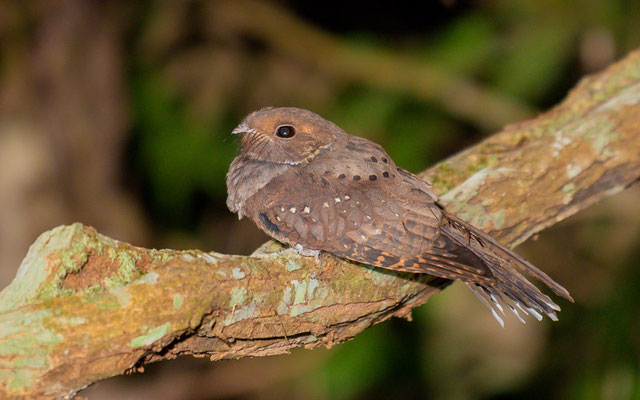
(242, 128)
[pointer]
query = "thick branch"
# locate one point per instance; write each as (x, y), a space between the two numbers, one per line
(84, 307)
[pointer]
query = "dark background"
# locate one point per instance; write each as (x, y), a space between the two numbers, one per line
(117, 114)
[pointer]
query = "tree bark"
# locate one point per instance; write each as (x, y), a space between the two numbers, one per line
(84, 307)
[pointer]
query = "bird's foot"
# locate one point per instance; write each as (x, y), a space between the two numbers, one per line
(304, 252)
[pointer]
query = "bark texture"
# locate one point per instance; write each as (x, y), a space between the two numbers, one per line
(84, 307)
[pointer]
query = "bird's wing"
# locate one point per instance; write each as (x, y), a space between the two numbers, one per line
(363, 222)
(406, 236)
(398, 226)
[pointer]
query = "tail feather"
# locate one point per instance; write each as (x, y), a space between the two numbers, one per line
(510, 289)
(474, 289)
(513, 287)
(496, 299)
(525, 266)
(516, 287)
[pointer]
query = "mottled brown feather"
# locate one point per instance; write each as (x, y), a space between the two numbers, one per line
(325, 190)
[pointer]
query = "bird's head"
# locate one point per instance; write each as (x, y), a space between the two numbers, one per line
(285, 135)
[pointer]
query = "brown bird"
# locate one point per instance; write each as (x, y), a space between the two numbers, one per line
(307, 183)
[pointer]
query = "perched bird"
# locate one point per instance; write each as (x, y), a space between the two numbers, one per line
(307, 183)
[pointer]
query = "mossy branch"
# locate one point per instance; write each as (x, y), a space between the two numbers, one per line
(84, 307)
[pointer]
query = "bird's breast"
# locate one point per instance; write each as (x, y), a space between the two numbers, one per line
(248, 177)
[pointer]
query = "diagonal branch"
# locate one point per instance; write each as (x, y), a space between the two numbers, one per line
(85, 307)
(459, 95)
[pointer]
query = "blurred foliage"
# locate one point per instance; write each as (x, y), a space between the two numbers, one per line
(191, 70)
(528, 50)
(178, 153)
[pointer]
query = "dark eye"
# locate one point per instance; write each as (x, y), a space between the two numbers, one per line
(285, 131)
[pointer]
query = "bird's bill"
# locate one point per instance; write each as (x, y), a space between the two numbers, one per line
(242, 128)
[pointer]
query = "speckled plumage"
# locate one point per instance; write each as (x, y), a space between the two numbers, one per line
(325, 190)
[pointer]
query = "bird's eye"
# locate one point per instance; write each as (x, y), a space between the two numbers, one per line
(285, 131)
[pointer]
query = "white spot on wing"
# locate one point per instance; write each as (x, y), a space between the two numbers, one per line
(293, 210)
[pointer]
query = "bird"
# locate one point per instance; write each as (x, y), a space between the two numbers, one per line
(307, 183)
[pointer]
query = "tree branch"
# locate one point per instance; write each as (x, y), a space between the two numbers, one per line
(459, 95)
(84, 307)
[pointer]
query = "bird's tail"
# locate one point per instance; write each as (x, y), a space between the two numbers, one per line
(510, 289)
